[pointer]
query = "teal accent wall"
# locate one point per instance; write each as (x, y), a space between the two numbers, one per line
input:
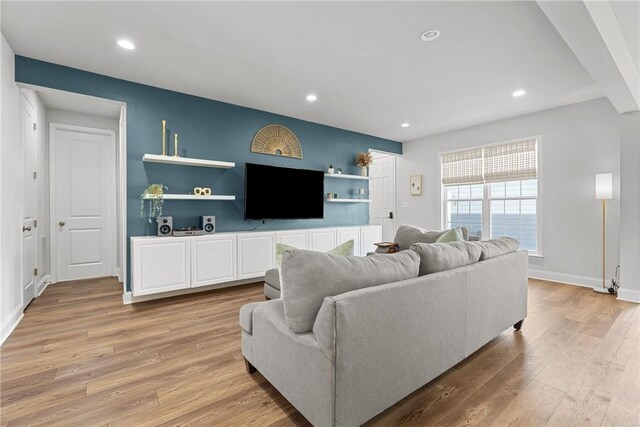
(214, 130)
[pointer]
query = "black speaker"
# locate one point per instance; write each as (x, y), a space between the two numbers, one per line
(208, 224)
(165, 226)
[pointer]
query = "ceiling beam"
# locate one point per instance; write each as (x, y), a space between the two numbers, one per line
(592, 32)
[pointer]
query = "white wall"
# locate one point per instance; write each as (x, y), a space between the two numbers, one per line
(630, 207)
(10, 224)
(577, 142)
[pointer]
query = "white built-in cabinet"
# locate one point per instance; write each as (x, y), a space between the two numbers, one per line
(213, 259)
(322, 239)
(164, 264)
(256, 254)
(161, 265)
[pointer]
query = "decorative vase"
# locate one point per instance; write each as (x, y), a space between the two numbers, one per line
(330, 171)
(364, 172)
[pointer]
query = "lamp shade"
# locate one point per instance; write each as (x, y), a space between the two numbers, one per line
(604, 186)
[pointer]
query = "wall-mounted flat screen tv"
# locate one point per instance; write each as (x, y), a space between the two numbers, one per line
(272, 192)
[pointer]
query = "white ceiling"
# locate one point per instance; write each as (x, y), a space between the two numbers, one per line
(364, 60)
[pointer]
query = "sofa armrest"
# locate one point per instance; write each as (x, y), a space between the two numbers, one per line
(246, 316)
(324, 328)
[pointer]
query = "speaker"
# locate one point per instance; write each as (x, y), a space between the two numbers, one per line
(165, 225)
(208, 224)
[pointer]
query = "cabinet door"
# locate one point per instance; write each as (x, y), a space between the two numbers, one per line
(345, 234)
(213, 260)
(256, 254)
(322, 239)
(368, 236)
(160, 265)
(295, 238)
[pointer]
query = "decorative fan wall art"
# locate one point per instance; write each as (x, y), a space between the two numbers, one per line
(276, 140)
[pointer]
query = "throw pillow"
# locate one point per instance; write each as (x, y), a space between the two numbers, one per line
(308, 277)
(344, 249)
(453, 235)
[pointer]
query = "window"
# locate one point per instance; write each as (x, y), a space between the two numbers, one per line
(464, 207)
(513, 207)
(493, 191)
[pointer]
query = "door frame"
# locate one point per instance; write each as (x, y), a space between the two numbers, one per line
(53, 245)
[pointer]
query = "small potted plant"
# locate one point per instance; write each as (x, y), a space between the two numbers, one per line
(330, 170)
(154, 194)
(363, 161)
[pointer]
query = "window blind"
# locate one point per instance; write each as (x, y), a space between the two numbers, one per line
(510, 162)
(462, 167)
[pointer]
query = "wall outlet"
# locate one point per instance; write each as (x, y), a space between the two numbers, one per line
(405, 204)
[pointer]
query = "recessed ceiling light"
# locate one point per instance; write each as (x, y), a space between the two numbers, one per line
(429, 35)
(312, 97)
(519, 92)
(405, 125)
(126, 44)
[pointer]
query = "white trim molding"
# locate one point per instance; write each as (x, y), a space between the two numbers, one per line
(42, 284)
(571, 279)
(128, 298)
(631, 295)
(11, 323)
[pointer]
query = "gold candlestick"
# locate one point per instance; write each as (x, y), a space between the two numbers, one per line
(164, 137)
(175, 148)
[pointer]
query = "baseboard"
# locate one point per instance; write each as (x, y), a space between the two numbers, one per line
(128, 298)
(631, 295)
(119, 274)
(571, 279)
(10, 324)
(42, 284)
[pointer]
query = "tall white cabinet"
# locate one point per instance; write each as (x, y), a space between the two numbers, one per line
(165, 264)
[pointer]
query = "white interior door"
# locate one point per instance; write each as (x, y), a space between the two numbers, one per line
(29, 206)
(382, 187)
(84, 182)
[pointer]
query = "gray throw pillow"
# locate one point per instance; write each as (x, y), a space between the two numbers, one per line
(435, 257)
(308, 277)
(407, 235)
(496, 247)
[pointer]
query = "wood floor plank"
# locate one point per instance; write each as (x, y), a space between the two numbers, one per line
(81, 357)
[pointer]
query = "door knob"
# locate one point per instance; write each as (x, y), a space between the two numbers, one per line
(26, 228)
(61, 223)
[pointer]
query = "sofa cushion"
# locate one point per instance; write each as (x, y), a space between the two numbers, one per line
(345, 248)
(435, 257)
(496, 247)
(407, 235)
(308, 277)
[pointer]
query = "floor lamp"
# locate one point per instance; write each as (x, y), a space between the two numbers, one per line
(604, 192)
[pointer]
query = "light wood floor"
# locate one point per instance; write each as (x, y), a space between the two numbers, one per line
(81, 357)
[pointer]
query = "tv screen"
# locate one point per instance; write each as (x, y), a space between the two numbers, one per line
(272, 192)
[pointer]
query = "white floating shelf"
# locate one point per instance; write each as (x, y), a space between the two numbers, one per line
(348, 200)
(191, 197)
(345, 176)
(186, 161)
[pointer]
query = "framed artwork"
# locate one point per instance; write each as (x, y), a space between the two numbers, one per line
(415, 185)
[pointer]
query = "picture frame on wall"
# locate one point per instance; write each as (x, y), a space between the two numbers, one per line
(415, 185)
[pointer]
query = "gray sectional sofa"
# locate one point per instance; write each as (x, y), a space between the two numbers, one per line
(351, 336)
